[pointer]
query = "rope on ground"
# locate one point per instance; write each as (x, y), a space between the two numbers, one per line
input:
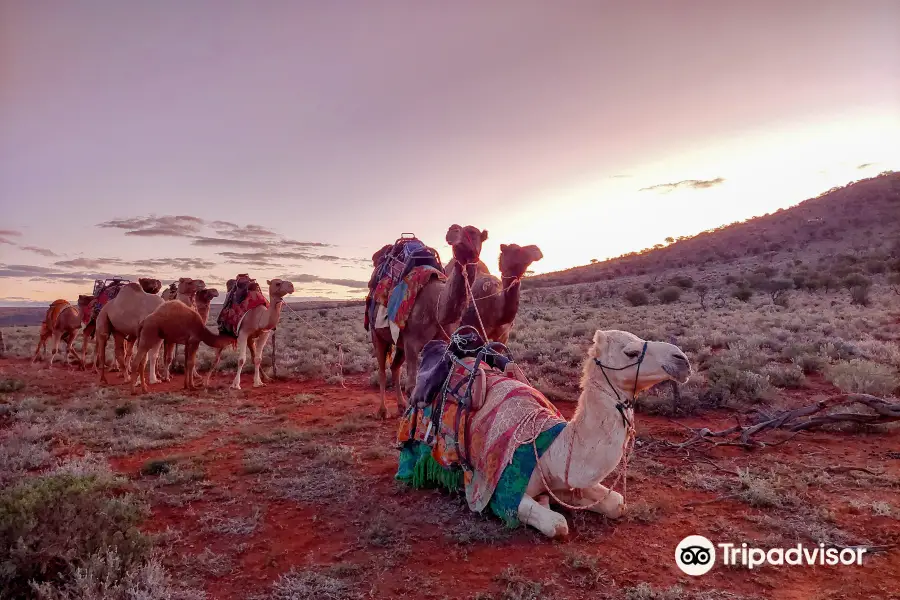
(340, 347)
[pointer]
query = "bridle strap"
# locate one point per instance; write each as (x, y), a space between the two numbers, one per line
(621, 405)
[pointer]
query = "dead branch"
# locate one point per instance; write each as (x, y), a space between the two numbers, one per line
(799, 420)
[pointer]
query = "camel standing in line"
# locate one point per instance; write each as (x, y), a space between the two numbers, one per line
(61, 323)
(439, 307)
(121, 318)
(255, 329)
(175, 323)
(87, 303)
(497, 300)
(186, 292)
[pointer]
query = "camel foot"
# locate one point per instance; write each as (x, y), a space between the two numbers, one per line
(259, 385)
(235, 387)
(382, 412)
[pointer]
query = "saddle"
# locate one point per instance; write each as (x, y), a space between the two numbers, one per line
(243, 295)
(104, 291)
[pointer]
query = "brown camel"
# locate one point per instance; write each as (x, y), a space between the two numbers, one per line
(497, 300)
(121, 317)
(61, 322)
(438, 309)
(202, 305)
(256, 327)
(185, 291)
(175, 323)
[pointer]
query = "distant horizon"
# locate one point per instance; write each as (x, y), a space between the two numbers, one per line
(205, 139)
(5, 303)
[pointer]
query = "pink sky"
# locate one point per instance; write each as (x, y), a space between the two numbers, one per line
(549, 123)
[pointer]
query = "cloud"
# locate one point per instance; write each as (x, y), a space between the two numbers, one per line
(210, 241)
(10, 233)
(87, 263)
(36, 273)
(695, 184)
(175, 264)
(307, 278)
(860, 167)
(251, 231)
(3, 241)
(296, 244)
(168, 225)
(38, 250)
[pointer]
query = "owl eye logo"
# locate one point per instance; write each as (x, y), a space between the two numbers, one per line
(695, 555)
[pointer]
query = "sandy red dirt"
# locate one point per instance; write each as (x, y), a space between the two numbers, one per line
(429, 565)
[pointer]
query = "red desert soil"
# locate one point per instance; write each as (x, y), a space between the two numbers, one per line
(415, 557)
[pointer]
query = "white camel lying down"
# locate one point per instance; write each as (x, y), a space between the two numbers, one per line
(593, 441)
(509, 414)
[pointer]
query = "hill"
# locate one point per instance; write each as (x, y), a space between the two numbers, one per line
(855, 223)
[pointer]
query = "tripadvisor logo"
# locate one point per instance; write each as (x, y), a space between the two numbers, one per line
(696, 555)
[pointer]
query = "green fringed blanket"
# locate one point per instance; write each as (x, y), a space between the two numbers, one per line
(418, 468)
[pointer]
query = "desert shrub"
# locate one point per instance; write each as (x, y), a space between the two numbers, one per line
(856, 280)
(863, 377)
(636, 297)
(731, 279)
(729, 382)
(742, 293)
(860, 295)
(669, 295)
(810, 363)
(683, 281)
(785, 376)
(876, 267)
(11, 385)
(53, 525)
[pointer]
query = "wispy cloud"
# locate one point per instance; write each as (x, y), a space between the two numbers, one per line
(234, 243)
(695, 184)
(865, 166)
(153, 264)
(37, 273)
(39, 250)
(10, 233)
(168, 225)
(307, 278)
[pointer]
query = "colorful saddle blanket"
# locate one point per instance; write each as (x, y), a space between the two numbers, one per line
(104, 295)
(487, 450)
(52, 314)
(406, 255)
(243, 296)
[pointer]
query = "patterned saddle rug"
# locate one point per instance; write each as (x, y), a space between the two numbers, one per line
(243, 296)
(392, 305)
(484, 443)
(393, 265)
(56, 308)
(103, 292)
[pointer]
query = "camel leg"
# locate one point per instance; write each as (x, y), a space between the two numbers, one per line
(612, 504)
(84, 343)
(257, 350)
(57, 336)
(119, 348)
(140, 363)
(42, 341)
(381, 356)
(214, 366)
(396, 365)
(152, 359)
(70, 349)
(548, 522)
(242, 358)
(168, 359)
(190, 358)
(100, 352)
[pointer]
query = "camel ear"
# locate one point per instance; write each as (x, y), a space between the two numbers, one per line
(268, 282)
(601, 342)
(454, 234)
(533, 252)
(484, 235)
(503, 248)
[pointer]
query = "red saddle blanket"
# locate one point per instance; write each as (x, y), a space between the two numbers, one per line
(243, 296)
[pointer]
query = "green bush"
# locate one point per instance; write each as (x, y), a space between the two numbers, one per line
(854, 280)
(682, 281)
(785, 376)
(52, 525)
(669, 295)
(810, 363)
(729, 382)
(636, 297)
(742, 293)
(863, 377)
(860, 295)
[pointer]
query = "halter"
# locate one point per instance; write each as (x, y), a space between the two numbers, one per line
(623, 405)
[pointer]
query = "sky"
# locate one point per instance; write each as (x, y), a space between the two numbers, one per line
(290, 139)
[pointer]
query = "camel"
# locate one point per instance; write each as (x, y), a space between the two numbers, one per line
(121, 317)
(186, 291)
(85, 307)
(256, 327)
(61, 322)
(175, 323)
(438, 310)
(592, 443)
(497, 300)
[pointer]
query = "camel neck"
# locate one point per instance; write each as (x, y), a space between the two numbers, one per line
(274, 311)
(598, 432)
(188, 299)
(454, 298)
(510, 299)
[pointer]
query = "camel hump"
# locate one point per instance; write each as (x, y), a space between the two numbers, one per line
(134, 287)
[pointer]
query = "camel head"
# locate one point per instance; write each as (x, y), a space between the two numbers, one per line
(150, 286)
(206, 295)
(379, 256)
(466, 243)
(279, 288)
(85, 300)
(190, 287)
(515, 259)
(616, 349)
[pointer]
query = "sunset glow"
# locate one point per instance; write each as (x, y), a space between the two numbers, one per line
(591, 133)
